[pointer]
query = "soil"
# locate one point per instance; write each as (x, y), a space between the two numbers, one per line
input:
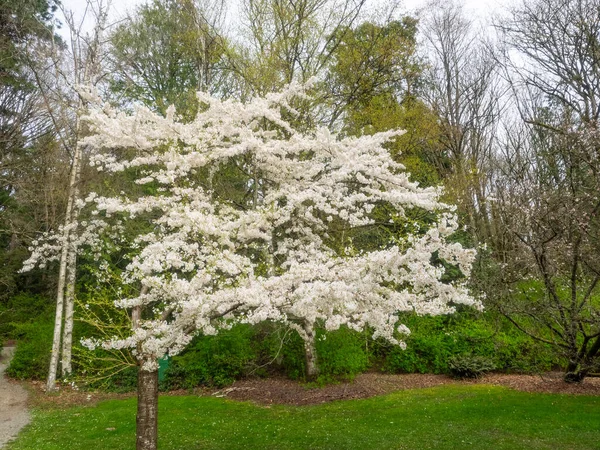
(283, 391)
(13, 402)
(279, 390)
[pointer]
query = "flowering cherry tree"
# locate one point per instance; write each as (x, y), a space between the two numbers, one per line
(209, 257)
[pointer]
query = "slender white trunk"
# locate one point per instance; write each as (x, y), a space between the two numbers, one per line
(69, 307)
(51, 382)
(71, 278)
(62, 273)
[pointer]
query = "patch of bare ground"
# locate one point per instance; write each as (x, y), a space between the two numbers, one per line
(66, 396)
(283, 391)
(279, 390)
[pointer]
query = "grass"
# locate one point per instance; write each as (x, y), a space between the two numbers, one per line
(445, 417)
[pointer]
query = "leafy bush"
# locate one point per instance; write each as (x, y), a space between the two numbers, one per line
(341, 353)
(212, 360)
(221, 359)
(32, 356)
(22, 308)
(434, 340)
(469, 366)
(281, 350)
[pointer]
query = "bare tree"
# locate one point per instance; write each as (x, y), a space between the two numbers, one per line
(547, 193)
(548, 198)
(558, 48)
(466, 94)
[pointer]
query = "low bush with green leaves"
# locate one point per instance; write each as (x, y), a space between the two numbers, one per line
(23, 308)
(434, 340)
(212, 360)
(469, 366)
(32, 356)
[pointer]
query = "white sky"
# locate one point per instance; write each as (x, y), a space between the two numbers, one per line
(480, 9)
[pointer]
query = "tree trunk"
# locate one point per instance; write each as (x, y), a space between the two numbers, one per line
(62, 274)
(147, 410)
(574, 374)
(58, 319)
(71, 277)
(310, 352)
(69, 307)
(577, 370)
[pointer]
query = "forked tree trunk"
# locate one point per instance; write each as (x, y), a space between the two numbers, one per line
(62, 274)
(147, 410)
(310, 352)
(577, 370)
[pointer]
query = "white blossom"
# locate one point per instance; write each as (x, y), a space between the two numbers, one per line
(208, 262)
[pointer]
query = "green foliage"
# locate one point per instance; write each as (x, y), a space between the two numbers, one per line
(435, 340)
(341, 353)
(23, 308)
(32, 356)
(469, 366)
(283, 350)
(445, 417)
(20, 21)
(29, 320)
(212, 360)
(219, 360)
(163, 56)
(97, 317)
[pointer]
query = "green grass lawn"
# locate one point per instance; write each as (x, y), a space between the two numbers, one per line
(445, 417)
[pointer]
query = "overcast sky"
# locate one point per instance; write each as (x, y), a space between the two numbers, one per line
(480, 9)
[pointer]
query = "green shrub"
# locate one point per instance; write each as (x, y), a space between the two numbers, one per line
(219, 360)
(32, 356)
(341, 353)
(281, 350)
(434, 340)
(22, 308)
(469, 366)
(212, 360)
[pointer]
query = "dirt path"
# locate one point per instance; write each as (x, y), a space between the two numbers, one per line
(13, 402)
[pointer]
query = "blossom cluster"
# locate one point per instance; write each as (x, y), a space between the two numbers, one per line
(240, 213)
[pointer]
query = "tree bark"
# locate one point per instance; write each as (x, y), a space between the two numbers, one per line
(71, 277)
(577, 370)
(69, 307)
(58, 318)
(310, 352)
(147, 410)
(62, 274)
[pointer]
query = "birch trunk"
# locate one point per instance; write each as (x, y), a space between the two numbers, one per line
(71, 278)
(67, 340)
(62, 274)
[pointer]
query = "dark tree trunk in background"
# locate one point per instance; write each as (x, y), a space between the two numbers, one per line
(147, 410)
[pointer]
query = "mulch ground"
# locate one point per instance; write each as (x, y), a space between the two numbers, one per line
(279, 390)
(284, 391)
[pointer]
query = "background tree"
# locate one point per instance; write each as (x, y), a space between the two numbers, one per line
(27, 150)
(375, 83)
(547, 192)
(59, 71)
(465, 93)
(167, 51)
